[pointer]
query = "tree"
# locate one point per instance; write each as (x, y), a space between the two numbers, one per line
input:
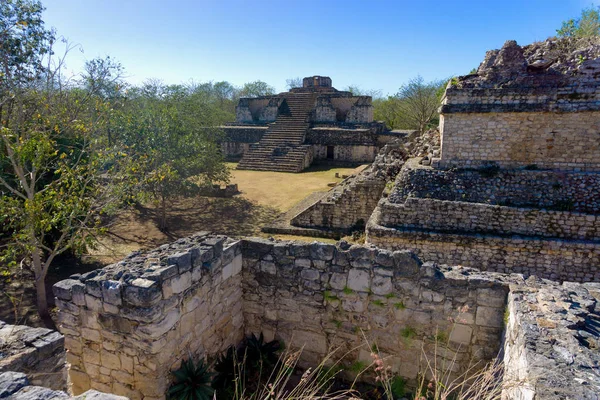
(587, 25)
(418, 102)
(292, 83)
(357, 91)
(171, 136)
(256, 89)
(56, 176)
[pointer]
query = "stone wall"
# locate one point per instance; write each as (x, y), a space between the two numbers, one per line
(346, 206)
(535, 106)
(562, 141)
(459, 216)
(259, 109)
(39, 353)
(346, 154)
(128, 325)
(16, 385)
(518, 188)
(550, 348)
(557, 259)
(325, 297)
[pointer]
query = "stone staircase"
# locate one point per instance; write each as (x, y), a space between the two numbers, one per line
(281, 147)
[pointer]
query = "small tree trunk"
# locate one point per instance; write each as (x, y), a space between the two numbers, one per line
(163, 213)
(40, 289)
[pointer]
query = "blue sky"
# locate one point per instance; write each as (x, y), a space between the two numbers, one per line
(371, 44)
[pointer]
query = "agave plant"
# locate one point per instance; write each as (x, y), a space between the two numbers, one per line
(192, 382)
(226, 367)
(260, 353)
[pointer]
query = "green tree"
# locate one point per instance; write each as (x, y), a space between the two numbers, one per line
(170, 134)
(587, 25)
(56, 177)
(256, 89)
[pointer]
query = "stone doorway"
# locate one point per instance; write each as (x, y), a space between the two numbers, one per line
(330, 152)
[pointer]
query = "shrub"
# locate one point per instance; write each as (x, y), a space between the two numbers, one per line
(192, 382)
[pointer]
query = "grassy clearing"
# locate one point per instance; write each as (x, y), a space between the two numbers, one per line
(283, 190)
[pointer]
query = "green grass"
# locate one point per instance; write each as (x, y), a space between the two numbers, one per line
(347, 290)
(408, 332)
(378, 303)
(357, 366)
(283, 190)
(399, 306)
(327, 296)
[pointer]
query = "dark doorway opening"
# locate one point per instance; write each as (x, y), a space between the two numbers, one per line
(330, 152)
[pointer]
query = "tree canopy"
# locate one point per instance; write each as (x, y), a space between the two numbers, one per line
(587, 25)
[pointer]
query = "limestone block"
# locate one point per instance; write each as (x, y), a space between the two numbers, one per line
(111, 292)
(91, 335)
(311, 341)
(268, 267)
(488, 316)
(359, 280)
(183, 260)
(233, 268)
(310, 274)
(338, 280)
(178, 283)
(353, 305)
(491, 297)
(461, 334)
(142, 292)
(80, 381)
(93, 303)
(157, 329)
(382, 285)
(90, 356)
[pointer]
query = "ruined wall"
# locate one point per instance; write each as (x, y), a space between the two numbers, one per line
(518, 188)
(535, 106)
(349, 154)
(562, 141)
(233, 150)
(259, 109)
(540, 223)
(348, 205)
(128, 325)
(557, 259)
(39, 353)
(458, 216)
(16, 385)
(550, 349)
(323, 297)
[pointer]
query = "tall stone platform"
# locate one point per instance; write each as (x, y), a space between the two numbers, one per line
(288, 131)
(517, 185)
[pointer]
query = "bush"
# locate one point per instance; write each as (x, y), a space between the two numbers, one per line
(192, 382)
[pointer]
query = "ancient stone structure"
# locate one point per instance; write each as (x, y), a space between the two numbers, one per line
(16, 386)
(516, 187)
(514, 114)
(286, 132)
(36, 352)
(129, 324)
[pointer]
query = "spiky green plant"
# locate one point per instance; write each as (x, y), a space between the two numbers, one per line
(192, 382)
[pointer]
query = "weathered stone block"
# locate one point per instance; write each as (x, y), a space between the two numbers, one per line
(111, 292)
(233, 268)
(382, 285)
(183, 260)
(359, 280)
(142, 292)
(488, 316)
